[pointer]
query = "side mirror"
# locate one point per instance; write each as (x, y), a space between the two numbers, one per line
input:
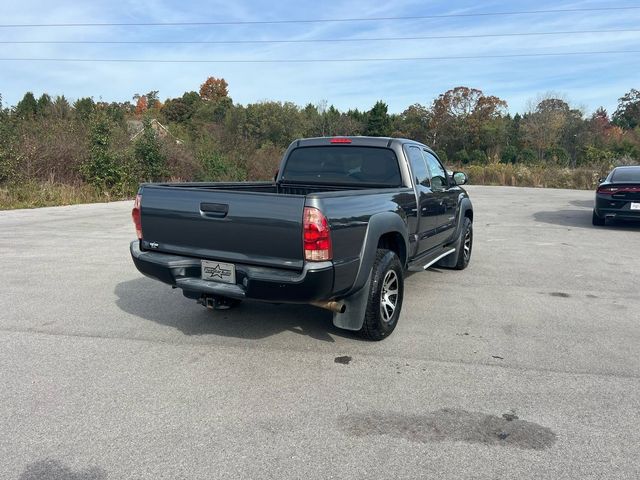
(460, 178)
(601, 179)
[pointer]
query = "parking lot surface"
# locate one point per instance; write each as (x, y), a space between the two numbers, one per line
(525, 365)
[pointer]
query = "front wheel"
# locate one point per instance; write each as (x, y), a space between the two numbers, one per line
(466, 245)
(385, 296)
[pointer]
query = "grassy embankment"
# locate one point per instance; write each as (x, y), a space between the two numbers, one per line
(44, 194)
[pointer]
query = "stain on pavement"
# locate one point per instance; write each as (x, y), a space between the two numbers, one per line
(451, 425)
(53, 469)
(345, 360)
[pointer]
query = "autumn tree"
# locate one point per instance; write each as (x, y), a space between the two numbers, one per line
(141, 105)
(214, 89)
(543, 125)
(458, 118)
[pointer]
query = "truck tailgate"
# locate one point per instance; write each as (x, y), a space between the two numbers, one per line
(239, 227)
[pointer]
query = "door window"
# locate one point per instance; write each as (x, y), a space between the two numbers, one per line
(418, 166)
(437, 172)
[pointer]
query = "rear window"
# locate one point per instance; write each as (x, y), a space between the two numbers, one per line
(626, 175)
(343, 165)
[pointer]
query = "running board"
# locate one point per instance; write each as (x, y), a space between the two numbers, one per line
(448, 252)
(418, 267)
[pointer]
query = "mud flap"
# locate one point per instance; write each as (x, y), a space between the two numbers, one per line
(451, 260)
(353, 317)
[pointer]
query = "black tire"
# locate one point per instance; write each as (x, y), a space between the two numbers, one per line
(466, 245)
(386, 274)
(597, 220)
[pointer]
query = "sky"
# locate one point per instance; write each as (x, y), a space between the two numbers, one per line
(586, 81)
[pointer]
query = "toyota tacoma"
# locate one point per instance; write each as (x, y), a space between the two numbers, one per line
(339, 226)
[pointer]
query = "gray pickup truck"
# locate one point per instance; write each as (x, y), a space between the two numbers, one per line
(339, 226)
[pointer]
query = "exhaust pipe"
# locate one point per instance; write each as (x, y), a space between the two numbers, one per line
(332, 305)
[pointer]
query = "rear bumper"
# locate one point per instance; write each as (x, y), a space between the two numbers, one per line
(314, 283)
(607, 206)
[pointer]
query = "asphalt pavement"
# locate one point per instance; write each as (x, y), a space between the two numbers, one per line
(525, 365)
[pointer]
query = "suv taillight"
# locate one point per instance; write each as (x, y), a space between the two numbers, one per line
(135, 214)
(316, 239)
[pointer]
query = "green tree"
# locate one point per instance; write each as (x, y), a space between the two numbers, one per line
(627, 115)
(27, 107)
(102, 169)
(378, 121)
(84, 108)
(149, 155)
(43, 105)
(414, 122)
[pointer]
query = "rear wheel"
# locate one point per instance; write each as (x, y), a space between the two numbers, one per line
(597, 220)
(385, 296)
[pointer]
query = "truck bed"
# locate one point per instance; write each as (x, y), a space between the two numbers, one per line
(256, 223)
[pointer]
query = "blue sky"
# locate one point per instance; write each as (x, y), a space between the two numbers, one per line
(585, 81)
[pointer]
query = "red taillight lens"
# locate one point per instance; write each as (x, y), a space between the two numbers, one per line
(622, 189)
(135, 214)
(316, 236)
(607, 190)
(340, 140)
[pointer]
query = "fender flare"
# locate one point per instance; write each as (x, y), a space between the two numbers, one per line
(465, 206)
(379, 225)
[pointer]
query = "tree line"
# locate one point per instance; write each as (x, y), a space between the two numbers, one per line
(204, 135)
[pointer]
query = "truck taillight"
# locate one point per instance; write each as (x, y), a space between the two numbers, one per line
(135, 214)
(316, 236)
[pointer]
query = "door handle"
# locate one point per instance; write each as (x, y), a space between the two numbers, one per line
(215, 210)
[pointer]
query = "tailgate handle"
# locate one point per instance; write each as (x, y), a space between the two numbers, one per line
(216, 210)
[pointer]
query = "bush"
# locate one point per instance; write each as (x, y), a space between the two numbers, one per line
(461, 156)
(509, 154)
(478, 157)
(527, 156)
(264, 163)
(557, 155)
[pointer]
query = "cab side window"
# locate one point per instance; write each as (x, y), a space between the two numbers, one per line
(437, 172)
(418, 166)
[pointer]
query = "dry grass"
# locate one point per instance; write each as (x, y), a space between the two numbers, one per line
(51, 193)
(48, 194)
(533, 176)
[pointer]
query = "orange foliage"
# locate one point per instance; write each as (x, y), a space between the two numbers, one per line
(142, 105)
(214, 89)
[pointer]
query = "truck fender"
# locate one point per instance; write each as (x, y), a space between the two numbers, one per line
(379, 224)
(450, 260)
